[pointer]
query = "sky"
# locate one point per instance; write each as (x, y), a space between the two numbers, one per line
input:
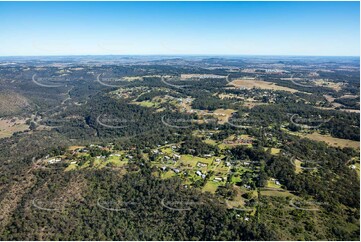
(180, 28)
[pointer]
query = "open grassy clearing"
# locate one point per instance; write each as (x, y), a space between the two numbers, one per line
(193, 160)
(337, 86)
(238, 201)
(341, 109)
(332, 141)
(200, 76)
(223, 114)
(74, 147)
(211, 187)
(9, 126)
(274, 189)
(298, 166)
(252, 104)
(276, 192)
(274, 151)
(253, 83)
(147, 104)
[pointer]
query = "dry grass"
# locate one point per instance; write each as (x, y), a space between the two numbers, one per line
(337, 86)
(298, 166)
(332, 141)
(274, 151)
(201, 76)
(223, 114)
(349, 96)
(329, 98)
(253, 83)
(342, 109)
(74, 147)
(252, 104)
(238, 201)
(9, 126)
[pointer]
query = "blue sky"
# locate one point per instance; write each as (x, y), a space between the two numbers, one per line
(180, 28)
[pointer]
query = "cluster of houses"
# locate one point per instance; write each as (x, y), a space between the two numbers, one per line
(199, 173)
(54, 160)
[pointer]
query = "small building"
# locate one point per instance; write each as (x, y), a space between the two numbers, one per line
(200, 164)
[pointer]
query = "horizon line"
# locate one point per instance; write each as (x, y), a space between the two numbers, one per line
(181, 55)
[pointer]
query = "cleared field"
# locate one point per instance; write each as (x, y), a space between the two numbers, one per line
(276, 193)
(9, 126)
(272, 184)
(167, 174)
(201, 76)
(343, 110)
(274, 151)
(252, 104)
(337, 86)
(71, 167)
(74, 147)
(223, 114)
(193, 160)
(298, 166)
(332, 141)
(329, 98)
(146, 104)
(211, 187)
(252, 83)
(239, 201)
(349, 96)
(210, 142)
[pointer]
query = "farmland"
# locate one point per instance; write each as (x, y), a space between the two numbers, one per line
(254, 83)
